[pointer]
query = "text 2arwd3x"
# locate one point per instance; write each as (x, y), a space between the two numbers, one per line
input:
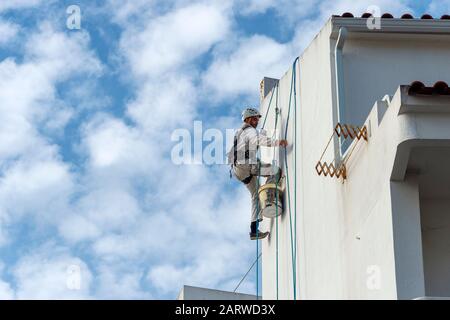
(247, 309)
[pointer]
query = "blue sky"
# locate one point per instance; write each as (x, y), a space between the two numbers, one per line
(86, 178)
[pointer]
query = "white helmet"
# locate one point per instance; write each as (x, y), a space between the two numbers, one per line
(250, 112)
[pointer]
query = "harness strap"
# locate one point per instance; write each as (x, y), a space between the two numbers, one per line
(235, 143)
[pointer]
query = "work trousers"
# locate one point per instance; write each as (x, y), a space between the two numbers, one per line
(243, 171)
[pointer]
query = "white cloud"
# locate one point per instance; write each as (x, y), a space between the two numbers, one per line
(4, 237)
(128, 201)
(43, 184)
(18, 4)
(161, 107)
(123, 11)
(6, 291)
(60, 55)
(183, 215)
(256, 7)
(290, 10)
(166, 277)
(52, 273)
(206, 243)
(110, 142)
(329, 7)
(218, 262)
(297, 10)
(112, 247)
(113, 209)
(8, 31)
(77, 228)
(241, 71)
(439, 7)
(120, 281)
(174, 39)
(34, 179)
(117, 152)
(27, 90)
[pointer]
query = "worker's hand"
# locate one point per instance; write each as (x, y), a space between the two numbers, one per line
(282, 143)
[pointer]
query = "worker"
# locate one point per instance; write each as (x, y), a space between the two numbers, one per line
(247, 168)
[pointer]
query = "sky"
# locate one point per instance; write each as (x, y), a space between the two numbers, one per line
(92, 205)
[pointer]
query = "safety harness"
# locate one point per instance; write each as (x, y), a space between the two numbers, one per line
(246, 154)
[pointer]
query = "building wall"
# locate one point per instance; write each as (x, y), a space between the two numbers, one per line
(360, 239)
(367, 211)
(319, 219)
(376, 66)
(435, 215)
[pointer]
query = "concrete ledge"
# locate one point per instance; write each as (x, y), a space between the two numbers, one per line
(417, 26)
(419, 121)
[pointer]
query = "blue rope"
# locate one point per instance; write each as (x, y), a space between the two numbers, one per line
(258, 207)
(295, 182)
(276, 197)
(293, 235)
(293, 245)
(268, 108)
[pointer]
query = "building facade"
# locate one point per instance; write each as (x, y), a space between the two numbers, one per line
(377, 225)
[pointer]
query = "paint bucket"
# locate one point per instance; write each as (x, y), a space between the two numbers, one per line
(271, 200)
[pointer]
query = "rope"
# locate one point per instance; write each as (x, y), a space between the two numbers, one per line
(293, 235)
(295, 181)
(293, 238)
(277, 111)
(257, 230)
(258, 208)
(240, 282)
(268, 108)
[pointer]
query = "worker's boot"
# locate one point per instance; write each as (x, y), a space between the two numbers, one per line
(258, 235)
(255, 234)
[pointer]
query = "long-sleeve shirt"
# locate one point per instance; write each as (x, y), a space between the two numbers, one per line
(248, 142)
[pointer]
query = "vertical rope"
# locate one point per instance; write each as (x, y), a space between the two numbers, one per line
(295, 180)
(293, 246)
(276, 199)
(258, 206)
(293, 234)
(268, 108)
(257, 241)
(257, 229)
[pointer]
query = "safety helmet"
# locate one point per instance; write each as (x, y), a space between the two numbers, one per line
(250, 112)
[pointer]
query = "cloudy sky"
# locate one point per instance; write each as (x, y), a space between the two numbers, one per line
(88, 189)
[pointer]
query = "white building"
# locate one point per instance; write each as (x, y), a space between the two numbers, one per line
(196, 293)
(383, 232)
